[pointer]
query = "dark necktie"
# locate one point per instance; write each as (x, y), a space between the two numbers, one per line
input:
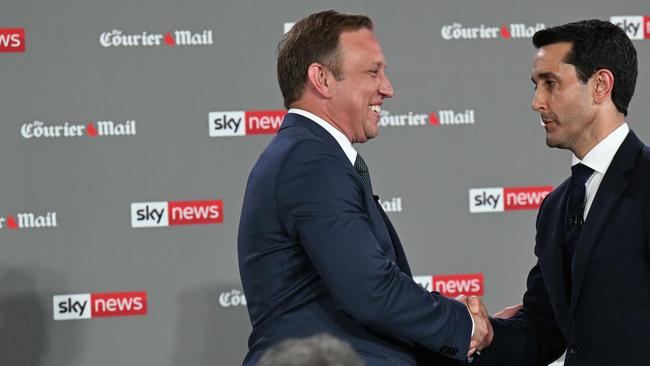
(574, 214)
(361, 168)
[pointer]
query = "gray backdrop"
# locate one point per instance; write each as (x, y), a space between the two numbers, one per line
(80, 189)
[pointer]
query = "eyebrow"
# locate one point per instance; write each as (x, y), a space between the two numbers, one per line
(545, 75)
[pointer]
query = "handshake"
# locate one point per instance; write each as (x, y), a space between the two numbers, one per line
(483, 333)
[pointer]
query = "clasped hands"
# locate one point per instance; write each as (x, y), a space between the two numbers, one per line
(483, 332)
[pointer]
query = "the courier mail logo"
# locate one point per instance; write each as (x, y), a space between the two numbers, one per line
(242, 123)
(635, 26)
(506, 199)
(96, 305)
(453, 285)
(158, 214)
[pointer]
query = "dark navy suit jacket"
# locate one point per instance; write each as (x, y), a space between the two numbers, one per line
(317, 254)
(606, 320)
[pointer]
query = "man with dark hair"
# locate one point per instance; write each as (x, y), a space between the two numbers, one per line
(317, 253)
(589, 293)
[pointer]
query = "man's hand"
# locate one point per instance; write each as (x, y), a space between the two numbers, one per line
(508, 312)
(483, 332)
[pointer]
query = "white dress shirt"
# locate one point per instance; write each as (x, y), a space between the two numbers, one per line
(599, 158)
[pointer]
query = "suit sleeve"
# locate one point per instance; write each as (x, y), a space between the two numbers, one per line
(320, 203)
(531, 337)
(647, 227)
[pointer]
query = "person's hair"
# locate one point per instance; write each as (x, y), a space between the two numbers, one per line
(596, 45)
(318, 350)
(313, 39)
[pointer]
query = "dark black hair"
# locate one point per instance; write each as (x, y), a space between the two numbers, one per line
(596, 45)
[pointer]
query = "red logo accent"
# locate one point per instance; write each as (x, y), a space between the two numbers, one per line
(263, 122)
(169, 39)
(462, 284)
(11, 223)
(12, 40)
(646, 27)
(433, 119)
(505, 33)
(524, 198)
(118, 304)
(90, 129)
(195, 212)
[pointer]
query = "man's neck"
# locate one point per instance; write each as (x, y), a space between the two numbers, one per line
(603, 127)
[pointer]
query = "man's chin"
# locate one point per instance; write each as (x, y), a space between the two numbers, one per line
(550, 142)
(372, 134)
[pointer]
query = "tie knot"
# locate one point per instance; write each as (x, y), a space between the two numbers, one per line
(360, 165)
(580, 173)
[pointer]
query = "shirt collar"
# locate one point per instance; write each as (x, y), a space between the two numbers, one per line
(602, 154)
(343, 141)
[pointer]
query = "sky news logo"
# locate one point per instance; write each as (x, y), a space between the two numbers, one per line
(12, 40)
(28, 220)
(453, 285)
(88, 306)
(159, 214)
(39, 129)
(457, 31)
(635, 26)
(443, 117)
(507, 199)
(118, 38)
(241, 123)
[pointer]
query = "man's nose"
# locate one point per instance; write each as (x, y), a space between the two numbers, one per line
(386, 88)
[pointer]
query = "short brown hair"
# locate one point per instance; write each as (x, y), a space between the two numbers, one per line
(313, 39)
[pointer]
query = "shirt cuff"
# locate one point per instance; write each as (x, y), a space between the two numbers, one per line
(472, 319)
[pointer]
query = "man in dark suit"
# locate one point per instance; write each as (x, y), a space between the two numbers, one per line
(317, 254)
(589, 293)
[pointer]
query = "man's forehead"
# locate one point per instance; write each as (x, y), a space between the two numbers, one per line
(361, 41)
(549, 59)
(553, 52)
(356, 35)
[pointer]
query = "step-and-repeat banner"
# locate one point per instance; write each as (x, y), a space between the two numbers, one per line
(128, 129)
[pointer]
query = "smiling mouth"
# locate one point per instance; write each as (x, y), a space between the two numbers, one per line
(375, 108)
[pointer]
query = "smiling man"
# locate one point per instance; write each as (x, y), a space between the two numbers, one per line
(317, 253)
(589, 293)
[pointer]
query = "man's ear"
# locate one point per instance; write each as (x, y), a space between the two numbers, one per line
(318, 77)
(604, 84)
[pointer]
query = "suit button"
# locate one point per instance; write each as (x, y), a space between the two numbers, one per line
(448, 350)
(574, 350)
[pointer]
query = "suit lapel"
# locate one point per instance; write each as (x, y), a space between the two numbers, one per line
(551, 258)
(609, 193)
(402, 262)
(295, 120)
